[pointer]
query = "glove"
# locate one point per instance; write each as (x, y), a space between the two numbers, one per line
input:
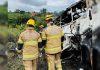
(18, 51)
(41, 49)
(40, 55)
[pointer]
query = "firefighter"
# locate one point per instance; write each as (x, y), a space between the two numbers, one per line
(52, 38)
(29, 42)
(41, 27)
(89, 3)
(33, 14)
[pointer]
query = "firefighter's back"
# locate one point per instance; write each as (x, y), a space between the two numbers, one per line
(30, 49)
(54, 34)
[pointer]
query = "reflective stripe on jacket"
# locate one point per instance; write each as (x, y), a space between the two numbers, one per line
(30, 39)
(53, 36)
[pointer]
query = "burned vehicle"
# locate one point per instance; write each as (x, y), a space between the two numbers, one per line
(81, 47)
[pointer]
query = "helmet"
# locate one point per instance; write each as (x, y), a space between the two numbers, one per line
(31, 22)
(41, 26)
(48, 17)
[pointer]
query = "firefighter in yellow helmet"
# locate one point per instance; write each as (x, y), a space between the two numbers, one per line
(41, 27)
(52, 38)
(29, 42)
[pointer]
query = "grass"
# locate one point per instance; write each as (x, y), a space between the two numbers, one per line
(8, 34)
(3, 9)
(5, 31)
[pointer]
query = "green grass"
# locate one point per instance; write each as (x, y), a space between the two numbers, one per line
(3, 9)
(8, 34)
(7, 30)
(3, 14)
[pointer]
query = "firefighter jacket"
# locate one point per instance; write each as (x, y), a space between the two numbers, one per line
(30, 38)
(52, 35)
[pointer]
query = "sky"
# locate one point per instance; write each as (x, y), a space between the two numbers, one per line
(37, 5)
(2, 2)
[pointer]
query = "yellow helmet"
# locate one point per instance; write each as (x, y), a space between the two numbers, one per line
(31, 22)
(48, 17)
(41, 26)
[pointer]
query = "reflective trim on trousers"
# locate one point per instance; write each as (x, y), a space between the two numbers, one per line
(53, 50)
(30, 57)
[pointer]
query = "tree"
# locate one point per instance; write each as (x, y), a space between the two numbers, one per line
(43, 11)
(17, 11)
(22, 12)
(5, 4)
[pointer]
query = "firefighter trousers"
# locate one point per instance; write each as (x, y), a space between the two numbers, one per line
(30, 64)
(54, 61)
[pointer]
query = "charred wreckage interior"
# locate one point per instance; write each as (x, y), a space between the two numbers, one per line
(89, 56)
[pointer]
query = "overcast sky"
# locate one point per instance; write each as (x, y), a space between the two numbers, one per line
(2, 2)
(36, 5)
